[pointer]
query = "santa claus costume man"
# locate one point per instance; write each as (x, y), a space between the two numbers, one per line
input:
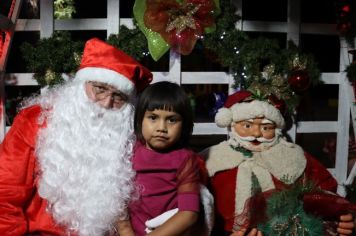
(65, 163)
(256, 150)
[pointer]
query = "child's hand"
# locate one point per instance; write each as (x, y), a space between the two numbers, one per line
(243, 232)
(346, 225)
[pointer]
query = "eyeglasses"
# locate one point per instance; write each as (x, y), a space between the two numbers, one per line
(102, 91)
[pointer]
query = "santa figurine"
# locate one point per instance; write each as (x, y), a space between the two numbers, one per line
(65, 164)
(256, 154)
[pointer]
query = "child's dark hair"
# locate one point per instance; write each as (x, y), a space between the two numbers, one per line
(165, 95)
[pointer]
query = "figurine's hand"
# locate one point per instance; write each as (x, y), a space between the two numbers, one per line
(346, 225)
(244, 232)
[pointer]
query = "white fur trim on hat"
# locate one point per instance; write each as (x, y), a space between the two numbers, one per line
(256, 108)
(223, 117)
(104, 75)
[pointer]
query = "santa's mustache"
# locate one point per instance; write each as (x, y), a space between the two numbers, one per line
(259, 139)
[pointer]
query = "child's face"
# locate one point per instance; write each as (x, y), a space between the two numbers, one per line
(161, 129)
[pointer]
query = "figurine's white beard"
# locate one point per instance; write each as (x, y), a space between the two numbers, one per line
(245, 142)
(84, 155)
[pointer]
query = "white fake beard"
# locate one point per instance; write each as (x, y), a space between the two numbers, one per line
(85, 158)
(245, 142)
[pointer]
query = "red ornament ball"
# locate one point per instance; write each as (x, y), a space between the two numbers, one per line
(299, 80)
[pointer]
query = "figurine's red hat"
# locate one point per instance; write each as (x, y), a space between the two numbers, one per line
(242, 106)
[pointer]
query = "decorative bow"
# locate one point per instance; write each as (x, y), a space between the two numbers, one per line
(175, 24)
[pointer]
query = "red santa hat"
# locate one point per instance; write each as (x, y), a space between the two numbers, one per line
(242, 106)
(102, 62)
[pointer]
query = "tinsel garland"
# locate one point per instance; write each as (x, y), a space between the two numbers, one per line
(245, 57)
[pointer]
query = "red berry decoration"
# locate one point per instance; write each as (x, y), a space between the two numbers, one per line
(299, 80)
(344, 27)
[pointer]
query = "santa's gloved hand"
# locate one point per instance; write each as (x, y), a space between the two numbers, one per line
(159, 220)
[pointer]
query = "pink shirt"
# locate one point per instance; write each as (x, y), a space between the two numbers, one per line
(165, 181)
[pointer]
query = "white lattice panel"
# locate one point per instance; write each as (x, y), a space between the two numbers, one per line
(293, 28)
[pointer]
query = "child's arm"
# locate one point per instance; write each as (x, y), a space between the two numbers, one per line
(176, 225)
(124, 228)
(188, 200)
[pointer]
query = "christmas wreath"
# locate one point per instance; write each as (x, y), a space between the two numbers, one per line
(297, 209)
(286, 214)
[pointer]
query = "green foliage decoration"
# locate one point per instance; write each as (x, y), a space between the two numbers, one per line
(351, 72)
(131, 41)
(51, 57)
(286, 215)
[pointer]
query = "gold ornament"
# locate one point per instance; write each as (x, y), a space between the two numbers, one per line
(268, 71)
(278, 80)
(50, 76)
(297, 63)
(297, 229)
(274, 83)
(77, 58)
(180, 20)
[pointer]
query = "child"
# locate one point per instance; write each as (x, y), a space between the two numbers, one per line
(166, 171)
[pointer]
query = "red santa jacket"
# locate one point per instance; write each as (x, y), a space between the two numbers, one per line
(22, 210)
(224, 185)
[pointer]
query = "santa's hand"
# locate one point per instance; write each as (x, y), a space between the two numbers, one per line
(159, 220)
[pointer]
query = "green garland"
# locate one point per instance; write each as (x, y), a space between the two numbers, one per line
(131, 41)
(245, 57)
(51, 57)
(244, 151)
